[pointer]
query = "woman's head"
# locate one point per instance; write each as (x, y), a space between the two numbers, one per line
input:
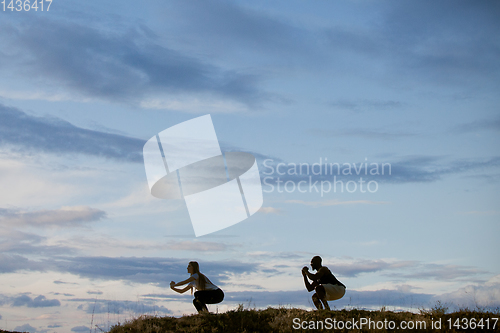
(195, 268)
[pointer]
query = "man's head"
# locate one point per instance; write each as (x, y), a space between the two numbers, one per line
(316, 262)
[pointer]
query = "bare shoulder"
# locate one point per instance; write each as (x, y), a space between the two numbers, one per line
(323, 270)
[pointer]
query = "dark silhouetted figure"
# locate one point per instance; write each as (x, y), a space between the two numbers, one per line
(327, 287)
(208, 293)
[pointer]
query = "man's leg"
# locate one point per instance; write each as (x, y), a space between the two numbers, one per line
(321, 295)
(317, 302)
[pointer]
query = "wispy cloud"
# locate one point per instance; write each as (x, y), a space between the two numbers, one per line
(54, 135)
(301, 298)
(25, 328)
(443, 57)
(479, 126)
(402, 269)
(197, 246)
(233, 28)
(91, 306)
(442, 272)
(402, 169)
(37, 302)
(335, 202)
(63, 217)
(62, 282)
(144, 270)
(364, 104)
(157, 270)
(270, 210)
(364, 133)
(121, 66)
(15, 263)
(57, 136)
(426, 53)
(14, 242)
(34, 134)
(476, 295)
(354, 268)
(398, 45)
(266, 255)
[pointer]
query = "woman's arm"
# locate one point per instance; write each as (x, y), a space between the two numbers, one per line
(181, 291)
(190, 279)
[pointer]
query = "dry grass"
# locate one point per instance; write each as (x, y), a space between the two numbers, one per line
(281, 320)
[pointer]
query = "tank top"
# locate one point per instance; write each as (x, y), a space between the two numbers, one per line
(329, 278)
(208, 284)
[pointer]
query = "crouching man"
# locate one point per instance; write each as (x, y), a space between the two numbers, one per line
(326, 285)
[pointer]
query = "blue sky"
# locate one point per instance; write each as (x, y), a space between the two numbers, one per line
(410, 84)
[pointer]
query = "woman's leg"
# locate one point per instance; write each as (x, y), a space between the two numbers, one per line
(204, 297)
(214, 296)
(198, 301)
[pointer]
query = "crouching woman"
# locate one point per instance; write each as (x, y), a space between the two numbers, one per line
(208, 293)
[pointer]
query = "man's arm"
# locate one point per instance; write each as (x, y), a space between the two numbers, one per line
(309, 287)
(315, 277)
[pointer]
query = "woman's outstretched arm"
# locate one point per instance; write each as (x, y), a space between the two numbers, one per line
(190, 279)
(180, 291)
(183, 290)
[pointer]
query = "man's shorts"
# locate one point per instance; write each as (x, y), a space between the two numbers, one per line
(334, 291)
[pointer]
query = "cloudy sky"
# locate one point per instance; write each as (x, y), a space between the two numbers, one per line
(349, 86)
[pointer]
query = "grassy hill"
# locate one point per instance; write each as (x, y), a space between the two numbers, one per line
(298, 320)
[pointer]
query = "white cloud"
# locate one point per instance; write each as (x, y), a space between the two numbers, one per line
(197, 246)
(270, 210)
(63, 217)
(139, 201)
(36, 95)
(25, 328)
(194, 105)
(476, 295)
(355, 267)
(30, 184)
